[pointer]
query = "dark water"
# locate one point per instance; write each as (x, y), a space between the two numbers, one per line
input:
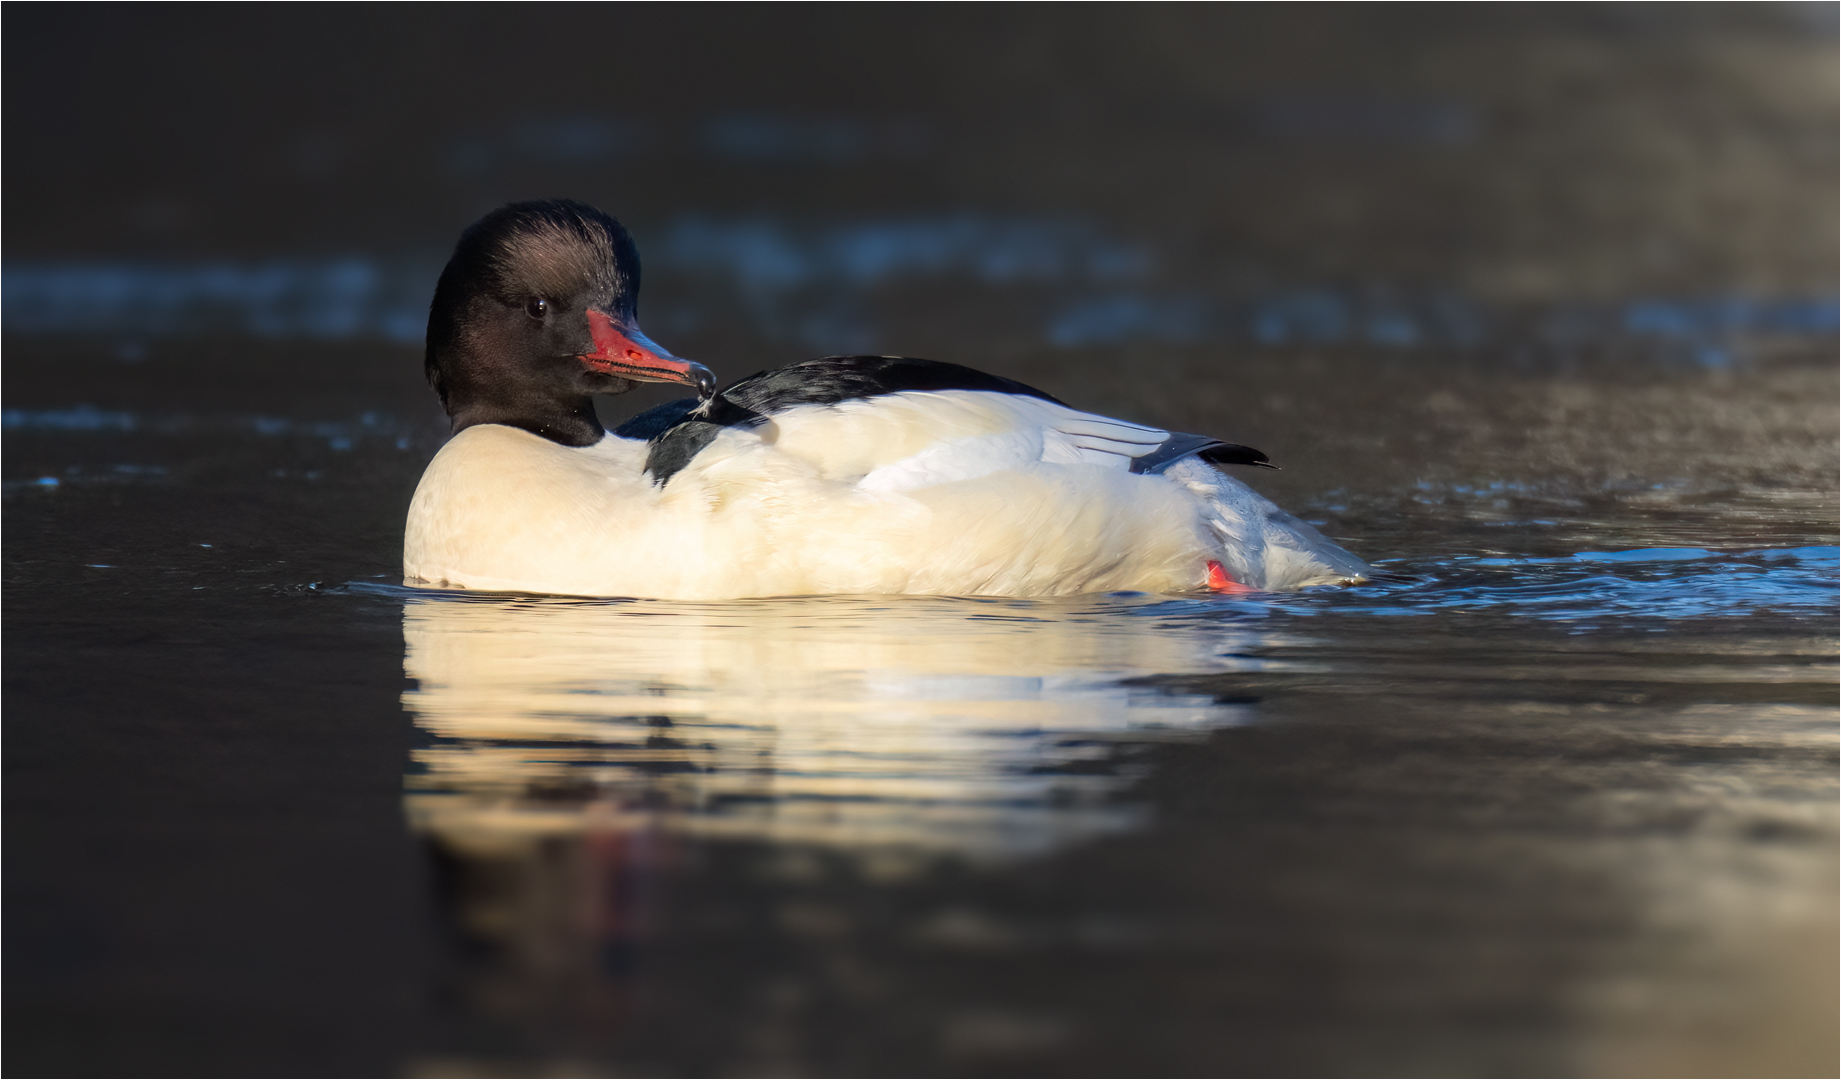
(1536, 310)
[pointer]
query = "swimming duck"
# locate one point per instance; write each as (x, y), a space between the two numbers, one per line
(846, 474)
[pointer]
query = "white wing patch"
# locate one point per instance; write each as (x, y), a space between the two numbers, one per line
(1076, 437)
(975, 433)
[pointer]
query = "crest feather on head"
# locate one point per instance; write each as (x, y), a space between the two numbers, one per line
(554, 248)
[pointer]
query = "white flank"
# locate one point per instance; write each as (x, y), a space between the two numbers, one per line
(944, 493)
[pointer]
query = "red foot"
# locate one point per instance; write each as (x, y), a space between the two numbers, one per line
(1218, 580)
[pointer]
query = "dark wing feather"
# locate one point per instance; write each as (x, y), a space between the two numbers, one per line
(1227, 453)
(831, 379)
(657, 420)
(1180, 445)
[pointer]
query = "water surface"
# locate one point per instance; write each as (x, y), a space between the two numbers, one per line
(1490, 800)
(1534, 306)
(1554, 795)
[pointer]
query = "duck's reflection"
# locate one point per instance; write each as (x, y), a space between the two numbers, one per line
(986, 728)
(576, 745)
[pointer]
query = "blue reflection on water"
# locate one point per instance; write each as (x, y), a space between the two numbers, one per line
(80, 418)
(814, 284)
(360, 297)
(762, 254)
(1594, 588)
(1704, 328)
(338, 434)
(1120, 320)
(325, 299)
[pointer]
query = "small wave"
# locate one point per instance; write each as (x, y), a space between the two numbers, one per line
(313, 299)
(1583, 588)
(369, 426)
(1591, 587)
(1709, 332)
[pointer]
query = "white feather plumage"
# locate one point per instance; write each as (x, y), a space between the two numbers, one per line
(942, 493)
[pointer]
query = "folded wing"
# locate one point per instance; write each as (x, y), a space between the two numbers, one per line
(898, 424)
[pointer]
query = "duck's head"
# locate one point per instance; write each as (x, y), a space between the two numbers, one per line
(534, 314)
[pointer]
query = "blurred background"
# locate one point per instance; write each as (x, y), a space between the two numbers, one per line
(1513, 282)
(1545, 181)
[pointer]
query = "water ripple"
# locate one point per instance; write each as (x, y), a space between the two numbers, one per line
(1592, 587)
(995, 727)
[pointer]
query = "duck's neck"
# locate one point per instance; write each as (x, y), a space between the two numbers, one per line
(571, 422)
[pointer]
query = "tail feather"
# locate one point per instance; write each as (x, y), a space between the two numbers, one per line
(1180, 446)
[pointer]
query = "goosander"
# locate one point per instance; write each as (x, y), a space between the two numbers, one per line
(847, 474)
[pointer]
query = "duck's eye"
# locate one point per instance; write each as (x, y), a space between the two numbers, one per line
(536, 307)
